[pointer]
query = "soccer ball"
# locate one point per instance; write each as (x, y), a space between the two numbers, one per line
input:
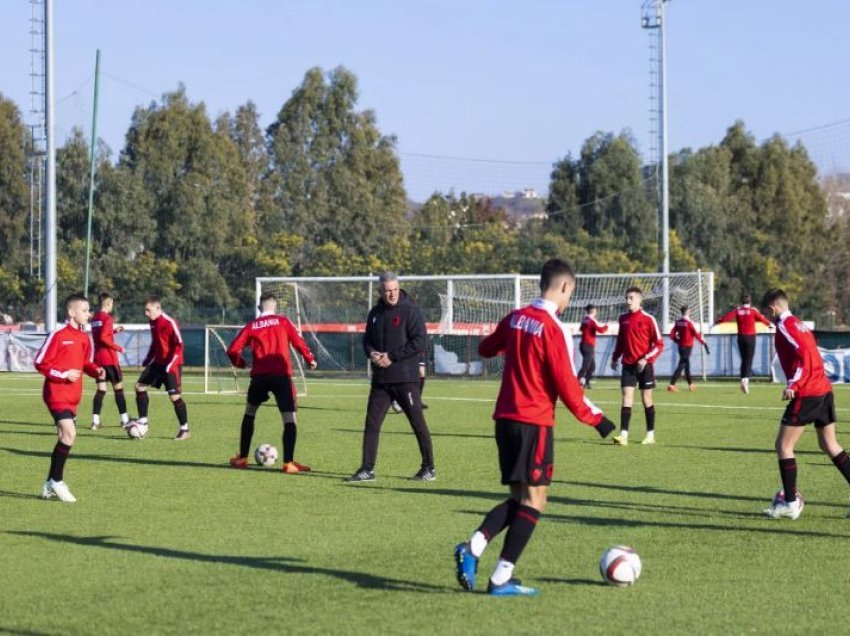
(136, 429)
(265, 455)
(779, 498)
(620, 566)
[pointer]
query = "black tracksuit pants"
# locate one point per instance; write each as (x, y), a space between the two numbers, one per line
(747, 348)
(683, 366)
(410, 399)
(588, 362)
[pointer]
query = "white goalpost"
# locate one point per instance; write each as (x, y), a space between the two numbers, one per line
(330, 312)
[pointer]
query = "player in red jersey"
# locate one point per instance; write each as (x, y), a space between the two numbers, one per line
(684, 333)
(537, 349)
(639, 343)
(162, 364)
(589, 328)
(745, 315)
(106, 355)
(65, 355)
(269, 336)
(810, 401)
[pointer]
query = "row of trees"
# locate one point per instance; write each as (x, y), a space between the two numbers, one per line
(194, 209)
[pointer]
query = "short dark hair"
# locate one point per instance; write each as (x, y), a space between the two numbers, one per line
(747, 298)
(73, 298)
(265, 297)
(554, 269)
(590, 307)
(105, 296)
(772, 295)
(634, 289)
(684, 309)
(153, 299)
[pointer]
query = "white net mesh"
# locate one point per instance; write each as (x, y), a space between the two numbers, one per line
(459, 310)
(219, 375)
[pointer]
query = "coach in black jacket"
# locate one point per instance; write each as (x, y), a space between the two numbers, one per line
(394, 339)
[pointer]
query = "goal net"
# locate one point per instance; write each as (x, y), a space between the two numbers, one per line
(222, 377)
(459, 310)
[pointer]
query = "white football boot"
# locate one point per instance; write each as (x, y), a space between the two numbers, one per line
(46, 492)
(60, 489)
(785, 510)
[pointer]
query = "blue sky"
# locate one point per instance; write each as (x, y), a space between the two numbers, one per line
(523, 82)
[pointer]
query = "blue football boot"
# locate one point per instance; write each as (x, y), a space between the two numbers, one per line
(467, 566)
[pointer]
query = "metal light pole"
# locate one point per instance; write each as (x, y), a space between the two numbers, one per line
(93, 157)
(50, 306)
(652, 17)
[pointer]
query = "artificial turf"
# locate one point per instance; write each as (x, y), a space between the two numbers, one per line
(166, 538)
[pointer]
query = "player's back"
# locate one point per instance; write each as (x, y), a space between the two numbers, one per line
(588, 328)
(799, 357)
(528, 392)
(269, 342)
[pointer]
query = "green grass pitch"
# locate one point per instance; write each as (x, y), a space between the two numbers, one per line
(165, 538)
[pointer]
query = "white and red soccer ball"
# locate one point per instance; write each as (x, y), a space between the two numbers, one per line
(265, 455)
(136, 429)
(620, 566)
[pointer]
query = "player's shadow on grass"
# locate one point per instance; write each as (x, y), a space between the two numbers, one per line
(119, 460)
(769, 527)
(42, 433)
(17, 495)
(652, 490)
(732, 449)
(285, 565)
(551, 579)
(26, 423)
(22, 632)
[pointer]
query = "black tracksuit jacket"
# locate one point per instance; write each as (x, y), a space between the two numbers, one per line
(400, 332)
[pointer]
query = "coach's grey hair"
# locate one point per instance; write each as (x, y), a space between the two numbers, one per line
(387, 277)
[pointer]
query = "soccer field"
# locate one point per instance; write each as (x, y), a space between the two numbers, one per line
(166, 538)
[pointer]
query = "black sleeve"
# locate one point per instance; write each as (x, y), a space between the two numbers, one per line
(417, 337)
(369, 336)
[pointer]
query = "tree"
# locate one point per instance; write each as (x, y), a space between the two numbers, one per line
(198, 194)
(14, 189)
(337, 178)
(563, 206)
(612, 192)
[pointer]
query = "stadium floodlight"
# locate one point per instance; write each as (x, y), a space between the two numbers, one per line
(652, 17)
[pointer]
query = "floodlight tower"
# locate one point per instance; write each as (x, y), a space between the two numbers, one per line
(50, 279)
(652, 17)
(37, 133)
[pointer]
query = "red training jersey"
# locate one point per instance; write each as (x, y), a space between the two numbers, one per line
(166, 343)
(746, 317)
(65, 349)
(799, 356)
(269, 336)
(589, 328)
(538, 367)
(684, 332)
(103, 333)
(639, 337)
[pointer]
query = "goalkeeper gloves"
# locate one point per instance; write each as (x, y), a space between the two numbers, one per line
(605, 427)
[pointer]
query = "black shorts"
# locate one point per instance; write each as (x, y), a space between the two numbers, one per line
(526, 452)
(113, 374)
(632, 377)
(818, 410)
(278, 385)
(64, 414)
(156, 376)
